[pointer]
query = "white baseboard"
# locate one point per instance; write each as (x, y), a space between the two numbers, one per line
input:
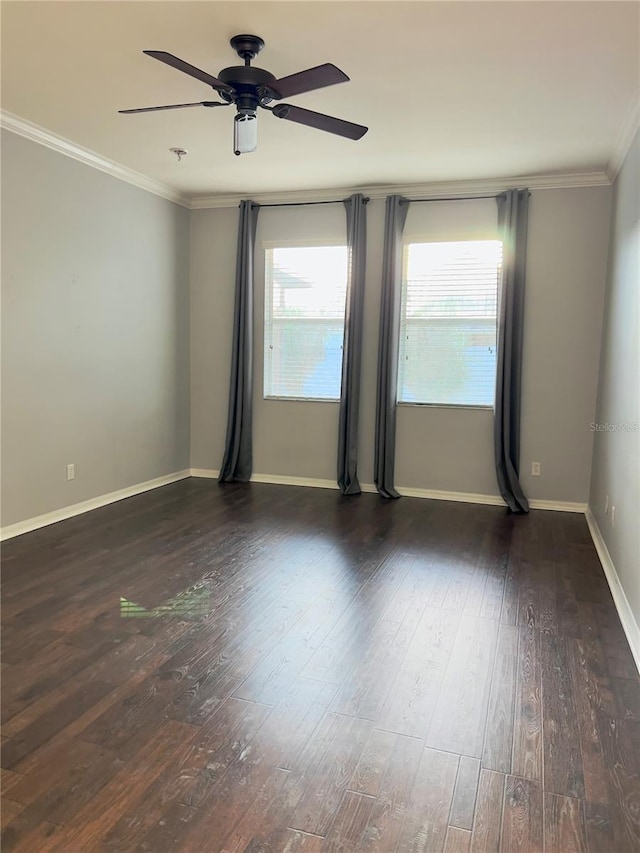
(429, 494)
(439, 495)
(284, 480)
(207, 473)
(558, 506)
(38, 521)
(628, 620)
(317, 483)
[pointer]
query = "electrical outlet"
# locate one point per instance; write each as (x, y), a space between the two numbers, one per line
(606, 504)
(613, 516)
(71, 472)
(535, 469)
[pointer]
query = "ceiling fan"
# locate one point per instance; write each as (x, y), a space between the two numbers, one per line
(249, 88)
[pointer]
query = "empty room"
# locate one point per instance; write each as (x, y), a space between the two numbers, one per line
(320, 427)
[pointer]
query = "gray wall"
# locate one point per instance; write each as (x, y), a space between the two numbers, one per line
(616, 454)
(95, 326)
(438, 448)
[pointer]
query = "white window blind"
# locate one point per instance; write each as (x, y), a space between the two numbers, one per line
(305, 291)
(448, 330)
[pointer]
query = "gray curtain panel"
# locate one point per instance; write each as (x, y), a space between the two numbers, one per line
(388, 344)
(352, 349)
(513, 208)
(237, 461)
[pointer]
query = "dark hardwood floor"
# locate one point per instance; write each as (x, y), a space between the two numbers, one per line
(268, 669)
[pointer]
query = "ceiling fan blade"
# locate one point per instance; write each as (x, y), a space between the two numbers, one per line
(191, 70)
(175, 107)
(307, 81)
(320, 121)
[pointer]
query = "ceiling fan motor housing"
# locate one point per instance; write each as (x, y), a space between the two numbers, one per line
(252, 86)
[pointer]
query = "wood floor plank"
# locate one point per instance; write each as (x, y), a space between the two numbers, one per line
(487, 584)
(370, 770)
(44, 835)
(549, 622)
(365, 691)
(350, 823)
(529, 593)
(8, 778)
(324, 789)
(624, 781)
(563, 772)
(457, 840)
(225, 804)
(599, 828)
(301, 842)
(59, 789)
(627, 698)
(278, 669)
(93, 822)
(63, 790)
(196, 770)
(412, 700)
(509, 609)
(460, 716)
(527, 733)
(9, 811)
(27, 683)
(226, 738)
(425, 824)
(522, 818)
(486, 832)
(498, 741)
(263, 826)
(592, 697)
(51, 722)
(464, 799)
(128, 662)
(333, 659)
(295, 719)
(564, 825)
(393, 797)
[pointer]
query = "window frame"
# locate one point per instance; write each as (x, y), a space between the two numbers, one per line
(269, 245)
(458, 237)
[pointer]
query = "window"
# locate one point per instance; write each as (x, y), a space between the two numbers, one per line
(305, 291)
(448, 332)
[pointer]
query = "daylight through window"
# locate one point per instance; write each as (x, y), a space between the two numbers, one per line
(448, 323)
(305, 291)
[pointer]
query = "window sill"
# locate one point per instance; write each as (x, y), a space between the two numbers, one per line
(445, 406)
(304, 399)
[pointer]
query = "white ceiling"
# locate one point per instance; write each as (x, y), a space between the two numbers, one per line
(449, 90)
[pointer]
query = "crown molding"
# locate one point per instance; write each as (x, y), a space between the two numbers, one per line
(38, 134)
(561, 180)
(626, 136)
(425, 190)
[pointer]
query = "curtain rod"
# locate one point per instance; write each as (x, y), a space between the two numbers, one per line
(452, 198)
(304, 203)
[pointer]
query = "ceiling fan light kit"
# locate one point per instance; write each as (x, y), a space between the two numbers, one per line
(245, 132)
(250, 89)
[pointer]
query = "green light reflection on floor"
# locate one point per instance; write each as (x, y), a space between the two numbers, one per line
(193, 603)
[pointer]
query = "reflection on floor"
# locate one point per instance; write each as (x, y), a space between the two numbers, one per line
(193, 603)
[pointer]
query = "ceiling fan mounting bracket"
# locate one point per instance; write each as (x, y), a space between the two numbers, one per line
(246, 46)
